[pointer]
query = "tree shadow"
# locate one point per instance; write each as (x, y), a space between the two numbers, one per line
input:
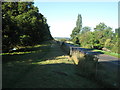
(108, 73)
(111, 63)
(57, 75)
(35, 54)
(26, 71)
(24, 54)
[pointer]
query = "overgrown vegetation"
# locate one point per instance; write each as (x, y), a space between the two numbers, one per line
(102, 37)
(22, 25)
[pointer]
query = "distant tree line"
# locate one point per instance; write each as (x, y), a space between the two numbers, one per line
(23, 25)
(102, 36)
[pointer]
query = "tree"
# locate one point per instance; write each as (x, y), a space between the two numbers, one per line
(23, 25)
(77, 29)
(87, 39)
(103, 35)
(79, 23)
(9, 26)
(85, 29)
(100, 27)
(115, 47)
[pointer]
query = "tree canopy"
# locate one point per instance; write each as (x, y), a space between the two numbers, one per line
(77, 29)
(101, 37)
(23, 25)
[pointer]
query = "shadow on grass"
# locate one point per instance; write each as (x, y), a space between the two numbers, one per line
(29, 49)
(30, 54)
(27, 71)
(44, 76)
(108, 73)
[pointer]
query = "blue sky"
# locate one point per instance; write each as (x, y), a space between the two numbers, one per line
(62, 16)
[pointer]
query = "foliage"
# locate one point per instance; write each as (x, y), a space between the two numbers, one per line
(85, 29)
(23, 25)
(101, 37)
(77, 29)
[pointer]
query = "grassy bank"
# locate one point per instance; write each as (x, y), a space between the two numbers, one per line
(45, 66)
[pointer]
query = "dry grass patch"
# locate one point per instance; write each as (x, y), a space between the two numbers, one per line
(87, 64)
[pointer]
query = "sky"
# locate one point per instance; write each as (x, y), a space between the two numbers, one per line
(62, 16)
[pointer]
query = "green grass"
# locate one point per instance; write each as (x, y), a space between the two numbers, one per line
(17, 64)
(108, 53)
(32, 49)
(47, 67)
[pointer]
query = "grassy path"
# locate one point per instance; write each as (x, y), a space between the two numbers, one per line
(46, 67)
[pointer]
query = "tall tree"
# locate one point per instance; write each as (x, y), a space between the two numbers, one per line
(77, 29)
(79, 23)
(23, 25)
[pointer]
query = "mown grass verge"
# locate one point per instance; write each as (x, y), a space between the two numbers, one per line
(47, 67)
(16, 65)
